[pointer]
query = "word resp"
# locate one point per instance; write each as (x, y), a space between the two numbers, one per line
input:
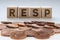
(29, 12)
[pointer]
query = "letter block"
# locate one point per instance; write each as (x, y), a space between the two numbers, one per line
(12, 12)
(35, 12)
(23, 12)
(46, 12)
(32, 12)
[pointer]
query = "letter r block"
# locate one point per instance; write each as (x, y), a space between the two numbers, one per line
(23, 12)
(47, 12)
(35, 12)
(12, 12)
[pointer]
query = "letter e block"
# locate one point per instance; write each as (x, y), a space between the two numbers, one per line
(23, 12)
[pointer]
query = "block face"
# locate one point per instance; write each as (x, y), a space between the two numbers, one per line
(23, 12)
(46, 12)
(35, 12)
(12, 12)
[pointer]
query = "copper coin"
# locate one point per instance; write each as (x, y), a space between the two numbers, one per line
(18, 35)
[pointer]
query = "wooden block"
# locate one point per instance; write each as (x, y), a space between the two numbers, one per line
(46, 12)
(12, 12)
(23, 12)
(35, 12)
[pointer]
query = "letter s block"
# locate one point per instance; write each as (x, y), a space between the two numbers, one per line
(35, 12)
(23, 12)
(47, 12)
(12, 12)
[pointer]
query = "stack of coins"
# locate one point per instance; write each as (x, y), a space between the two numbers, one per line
(37, 29)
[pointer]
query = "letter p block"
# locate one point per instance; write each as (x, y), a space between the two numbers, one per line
(47, 12)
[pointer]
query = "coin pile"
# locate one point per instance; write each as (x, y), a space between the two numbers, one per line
(21, 30)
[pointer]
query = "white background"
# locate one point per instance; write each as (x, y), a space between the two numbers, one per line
(55, 15)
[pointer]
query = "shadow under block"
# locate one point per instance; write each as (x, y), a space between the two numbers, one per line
(23, 12)
(12, 12)
(46, 12)
(35, 12)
